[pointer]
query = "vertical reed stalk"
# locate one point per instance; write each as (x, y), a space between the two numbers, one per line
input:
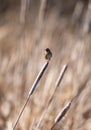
(42, 11)
(40, 23)
(23, 22)
(23, 11)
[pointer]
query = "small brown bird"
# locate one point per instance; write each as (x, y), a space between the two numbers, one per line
(48, 54)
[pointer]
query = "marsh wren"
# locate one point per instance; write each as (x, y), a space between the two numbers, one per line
(48, 54)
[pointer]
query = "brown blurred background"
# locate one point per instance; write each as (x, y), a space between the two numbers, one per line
(27, 27)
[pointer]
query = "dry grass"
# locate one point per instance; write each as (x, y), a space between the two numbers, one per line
(21, 59)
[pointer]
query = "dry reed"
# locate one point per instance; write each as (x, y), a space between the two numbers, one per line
(40, 22)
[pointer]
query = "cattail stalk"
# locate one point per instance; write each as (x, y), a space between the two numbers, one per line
(61, 75)
(38, 78)
(61, 114)
(51, 97)
(31, 91)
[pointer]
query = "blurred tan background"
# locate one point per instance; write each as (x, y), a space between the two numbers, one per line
(27, 27)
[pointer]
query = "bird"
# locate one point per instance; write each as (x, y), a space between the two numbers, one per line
(48, 54)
